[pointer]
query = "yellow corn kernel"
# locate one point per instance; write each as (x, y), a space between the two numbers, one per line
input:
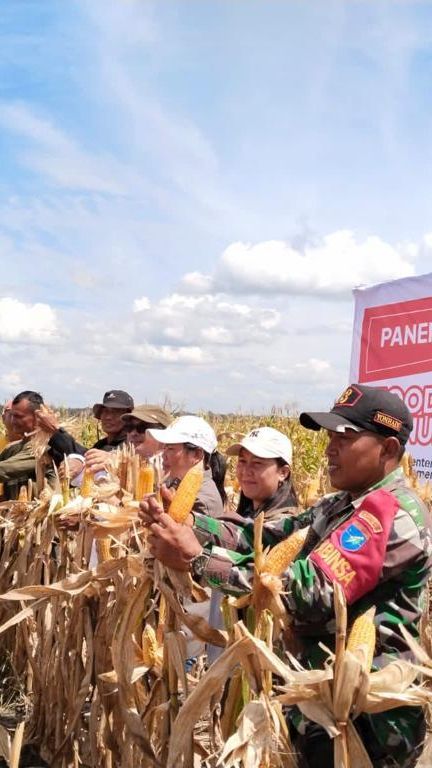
(282, 555)
(186, 494)
(87, 484)
(150, 647)
(145, 481)
(363, 635)
(103, 549)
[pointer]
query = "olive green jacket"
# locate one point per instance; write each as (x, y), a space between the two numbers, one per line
(17, 466)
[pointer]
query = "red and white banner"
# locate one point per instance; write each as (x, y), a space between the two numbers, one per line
(392, 348)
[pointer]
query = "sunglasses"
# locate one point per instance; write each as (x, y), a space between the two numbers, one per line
(139, 427)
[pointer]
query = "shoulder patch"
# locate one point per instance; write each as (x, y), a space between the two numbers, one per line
(353, 538)
(371, 521)
(354, 553)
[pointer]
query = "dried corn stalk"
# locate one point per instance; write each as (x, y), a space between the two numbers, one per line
(353, 689)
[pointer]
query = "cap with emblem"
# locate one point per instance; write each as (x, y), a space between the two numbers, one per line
(115, 398)
(187, 429)
(149, 414)
(364, 408)
(266, 443)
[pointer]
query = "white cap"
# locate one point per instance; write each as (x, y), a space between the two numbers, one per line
(187, 429)
(265, 442)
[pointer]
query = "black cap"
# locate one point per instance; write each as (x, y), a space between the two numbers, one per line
(115, 398)
(364, 408)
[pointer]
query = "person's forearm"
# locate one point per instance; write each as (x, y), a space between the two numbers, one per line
(228, 571)
(62, 444)
(11, 469)
(238, 536)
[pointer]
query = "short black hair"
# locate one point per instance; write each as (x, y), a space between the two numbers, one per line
(34, 398)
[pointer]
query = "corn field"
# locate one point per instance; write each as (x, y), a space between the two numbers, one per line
(93, 640)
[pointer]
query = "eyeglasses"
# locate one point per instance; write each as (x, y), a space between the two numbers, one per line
(137, 426)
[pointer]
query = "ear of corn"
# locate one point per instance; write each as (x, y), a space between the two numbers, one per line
(282, 555)
(150, 646)
(87, 484)
(145, 481)
(186, 494)
(363, 635)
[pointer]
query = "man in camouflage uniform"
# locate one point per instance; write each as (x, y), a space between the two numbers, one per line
(374, 537)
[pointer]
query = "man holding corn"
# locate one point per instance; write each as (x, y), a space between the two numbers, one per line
(373, 536)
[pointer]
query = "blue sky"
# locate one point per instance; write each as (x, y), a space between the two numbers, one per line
(189, 191)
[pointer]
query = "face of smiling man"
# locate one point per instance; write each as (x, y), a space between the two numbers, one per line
(358, 460)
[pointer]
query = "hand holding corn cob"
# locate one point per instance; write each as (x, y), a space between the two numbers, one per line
(171, 541)
(173, 544)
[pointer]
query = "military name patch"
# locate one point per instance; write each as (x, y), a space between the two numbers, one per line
(339, 567)
(388, 421)
(353, 538)
(372, 521)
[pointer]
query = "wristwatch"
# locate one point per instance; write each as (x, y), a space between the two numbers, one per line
(199, 564)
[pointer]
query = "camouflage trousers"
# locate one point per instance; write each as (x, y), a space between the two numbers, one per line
(392, 739)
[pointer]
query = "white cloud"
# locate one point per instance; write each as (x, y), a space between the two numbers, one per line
(204, 321)
(276, 372)
(331, 267)
(309, 369)
(176, 333)
(149, 353)
(426, 244)
(30, 323)
(196, 282)
(140, 304)
(217, 335)
(313, 365)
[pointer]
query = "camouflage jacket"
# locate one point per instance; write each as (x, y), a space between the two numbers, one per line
(378, 547)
